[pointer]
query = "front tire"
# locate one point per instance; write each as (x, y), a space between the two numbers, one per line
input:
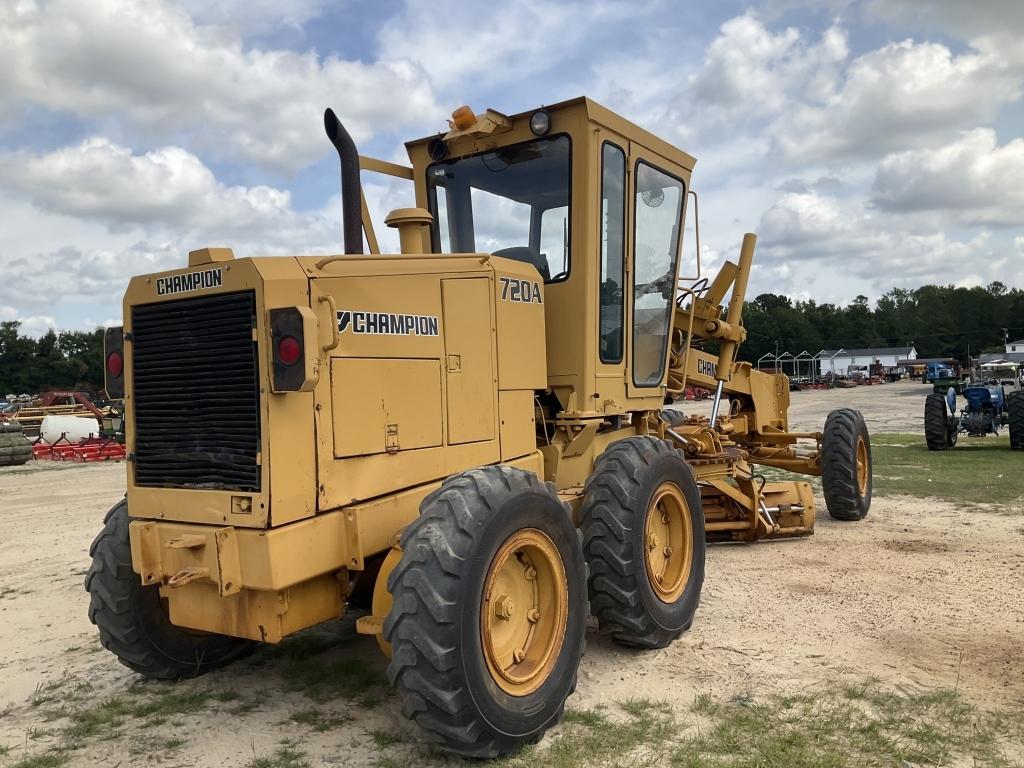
(1015, 418)
(643, 535)
(846, 469)
(133, 621)
(489, 614)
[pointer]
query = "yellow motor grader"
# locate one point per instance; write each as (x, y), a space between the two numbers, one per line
(465, 440)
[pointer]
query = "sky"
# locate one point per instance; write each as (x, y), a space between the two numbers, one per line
(870, 145)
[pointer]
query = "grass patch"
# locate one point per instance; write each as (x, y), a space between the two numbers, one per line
(142, 706)
(839, 727)
(384, 739)
(172, 702)
(979, 470)
(328, 679)
(284, 757)
(99, 720)
(636, 732)
(318, 720)
(862, 725)
(47, 760)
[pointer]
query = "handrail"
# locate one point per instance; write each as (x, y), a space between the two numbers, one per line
(333, 305)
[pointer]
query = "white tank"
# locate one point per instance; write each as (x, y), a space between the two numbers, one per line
(74, 428)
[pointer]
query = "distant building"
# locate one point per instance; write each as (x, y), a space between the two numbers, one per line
(995, 357)
(838, 361)
(1015, 346)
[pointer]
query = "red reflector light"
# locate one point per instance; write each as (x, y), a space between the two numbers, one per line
(288, 350)
(115, 364)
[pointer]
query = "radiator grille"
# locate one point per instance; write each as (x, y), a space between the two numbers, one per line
(196, 393)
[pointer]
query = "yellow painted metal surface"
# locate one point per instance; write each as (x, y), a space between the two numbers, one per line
(517, 423)
(468, 341)
(522, 363)
(257, 615)
(373, 412)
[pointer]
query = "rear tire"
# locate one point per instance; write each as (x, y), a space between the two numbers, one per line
(1015, 417)
(937, 432)
(636, 483)
(454, 626)
(133, 621)
(846, 470)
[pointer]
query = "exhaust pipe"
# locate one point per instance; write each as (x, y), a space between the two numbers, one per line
(351, 194)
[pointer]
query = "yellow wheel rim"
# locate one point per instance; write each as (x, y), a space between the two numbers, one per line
(863, 466)
(668, 543)
(524, 612)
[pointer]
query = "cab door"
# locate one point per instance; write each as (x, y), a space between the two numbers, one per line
(657, 201)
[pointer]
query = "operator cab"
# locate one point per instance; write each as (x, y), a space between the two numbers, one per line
(596, 205)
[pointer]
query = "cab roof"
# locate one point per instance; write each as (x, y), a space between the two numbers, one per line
(598, 113)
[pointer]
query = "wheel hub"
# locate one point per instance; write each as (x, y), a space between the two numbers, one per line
(524, 612)
(668, 533)
(863, 466)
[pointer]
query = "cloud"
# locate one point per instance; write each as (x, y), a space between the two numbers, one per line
(748, 68)
(973, 178)
(152, 68)
(989, 24)
(166, 187)
(902, 95)
(254, 16)
(167, 192)
(34, 326)
(749, 75)
(460, 43)
(829, 233)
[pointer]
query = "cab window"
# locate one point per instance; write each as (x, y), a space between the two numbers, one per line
(512, 202)
(613, 241)
(657, 218)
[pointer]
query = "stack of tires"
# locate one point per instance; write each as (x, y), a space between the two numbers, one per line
(15, 449)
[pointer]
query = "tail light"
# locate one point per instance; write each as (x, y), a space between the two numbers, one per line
(295, 354)
(113, 362)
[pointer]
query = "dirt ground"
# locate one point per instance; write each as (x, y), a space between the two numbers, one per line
(886, 407)
(921, 594)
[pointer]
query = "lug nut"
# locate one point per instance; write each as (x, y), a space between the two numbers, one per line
(518, 654)
(668, 551)
(503, 608)
(652, 542)
(533, 616)
(531, 573)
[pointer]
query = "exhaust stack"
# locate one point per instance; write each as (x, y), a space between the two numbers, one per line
(351, 193)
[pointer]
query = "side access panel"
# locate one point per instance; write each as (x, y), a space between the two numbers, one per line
(375, 411)
(472, 385)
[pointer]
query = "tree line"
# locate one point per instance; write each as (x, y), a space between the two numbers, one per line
(64, 360)
(940, 321)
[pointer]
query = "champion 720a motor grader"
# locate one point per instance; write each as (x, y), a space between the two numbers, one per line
(465, 439)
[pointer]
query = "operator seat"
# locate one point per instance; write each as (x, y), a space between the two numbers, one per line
(528, 255)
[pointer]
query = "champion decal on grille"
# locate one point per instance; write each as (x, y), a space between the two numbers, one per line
(190, 281)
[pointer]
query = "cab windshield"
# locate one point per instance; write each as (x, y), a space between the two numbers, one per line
(512, 202)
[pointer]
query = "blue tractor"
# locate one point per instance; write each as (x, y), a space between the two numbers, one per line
(988, 408)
